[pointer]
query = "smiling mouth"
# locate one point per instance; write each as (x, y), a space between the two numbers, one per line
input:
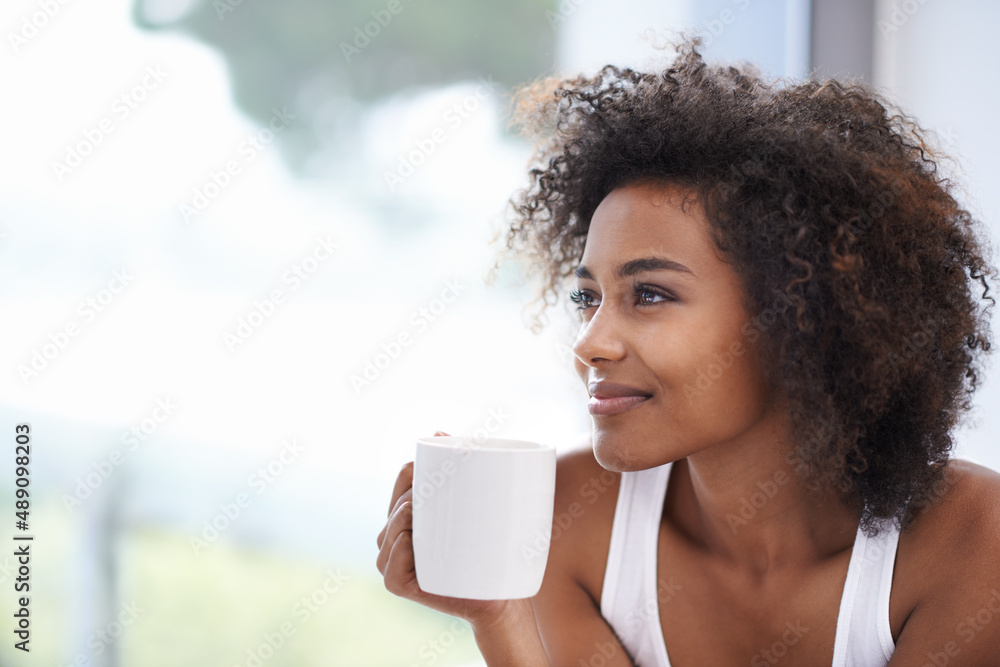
(614, 405)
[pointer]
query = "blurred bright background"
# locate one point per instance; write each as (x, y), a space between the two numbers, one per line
(242, 258)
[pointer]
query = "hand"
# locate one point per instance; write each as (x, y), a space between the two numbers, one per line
(395, 561)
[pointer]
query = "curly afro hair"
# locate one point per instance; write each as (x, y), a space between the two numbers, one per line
(826, 201)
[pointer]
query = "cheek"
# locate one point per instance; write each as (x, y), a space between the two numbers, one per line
(712, 378)
(723, 386)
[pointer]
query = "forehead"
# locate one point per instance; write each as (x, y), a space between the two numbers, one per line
(645, 219)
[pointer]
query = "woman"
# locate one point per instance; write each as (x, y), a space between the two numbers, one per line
(783, 311)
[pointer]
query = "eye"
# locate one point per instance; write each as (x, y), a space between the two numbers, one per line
(640, 291)
(581, 298)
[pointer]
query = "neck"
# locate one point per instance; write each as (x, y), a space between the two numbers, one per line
(743, 502)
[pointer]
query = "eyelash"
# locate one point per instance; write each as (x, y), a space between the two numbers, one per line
(578, 296)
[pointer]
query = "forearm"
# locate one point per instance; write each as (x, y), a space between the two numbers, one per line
(512, 640)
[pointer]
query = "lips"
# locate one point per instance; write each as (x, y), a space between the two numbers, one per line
(612, 398)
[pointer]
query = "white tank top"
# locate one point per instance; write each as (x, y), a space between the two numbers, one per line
(630, 592)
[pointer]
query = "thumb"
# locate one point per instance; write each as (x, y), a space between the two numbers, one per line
(440, 433)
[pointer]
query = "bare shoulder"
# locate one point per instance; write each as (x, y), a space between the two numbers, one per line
(959, 522)
(964, 504)
(975, 484)
(586, 495)
(567, 607)
(951, 568)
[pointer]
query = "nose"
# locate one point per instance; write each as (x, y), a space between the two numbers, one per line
(599, 339)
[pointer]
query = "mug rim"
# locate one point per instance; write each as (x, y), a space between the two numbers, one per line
(455, 442)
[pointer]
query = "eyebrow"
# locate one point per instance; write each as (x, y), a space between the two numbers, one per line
(632, 267)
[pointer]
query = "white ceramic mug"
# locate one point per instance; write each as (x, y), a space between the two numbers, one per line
(482, 516)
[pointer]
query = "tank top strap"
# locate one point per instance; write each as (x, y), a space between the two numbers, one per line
(629, 594)
(864, 638)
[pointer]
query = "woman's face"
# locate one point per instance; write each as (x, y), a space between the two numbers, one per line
(672, 332)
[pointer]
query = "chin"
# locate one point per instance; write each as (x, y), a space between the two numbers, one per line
(613, 455)
(626, 453)
(613, 464)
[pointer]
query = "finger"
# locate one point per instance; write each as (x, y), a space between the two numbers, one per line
(407, 495)
(440, 433)
(403, 481)
(401, 520)
(400, 570)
